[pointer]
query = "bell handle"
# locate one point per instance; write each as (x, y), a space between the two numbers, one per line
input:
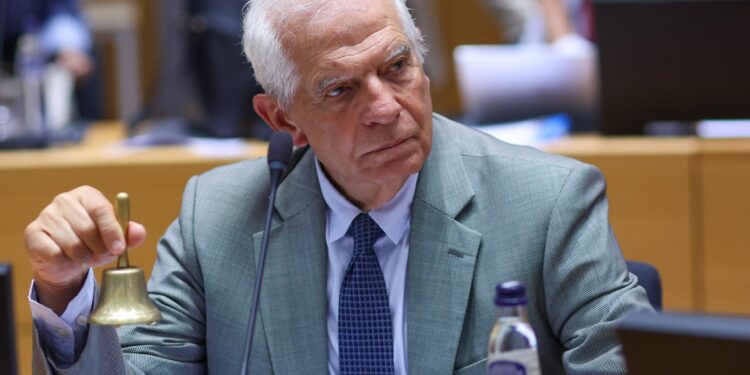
(122, 202)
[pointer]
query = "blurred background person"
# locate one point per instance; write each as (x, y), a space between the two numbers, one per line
(205, 85)
(64, 39)
(543, 21)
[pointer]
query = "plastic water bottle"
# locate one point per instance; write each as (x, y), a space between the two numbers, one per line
(30, 68)
(512, 347)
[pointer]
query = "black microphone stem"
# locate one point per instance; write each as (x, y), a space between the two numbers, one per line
(275, 175)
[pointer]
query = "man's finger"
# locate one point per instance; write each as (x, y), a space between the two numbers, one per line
(82, 224)
(136, 234)
(42, 248)
(65, 237)
(103, 214)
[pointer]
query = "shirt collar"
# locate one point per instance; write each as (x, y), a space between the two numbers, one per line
(393, 217)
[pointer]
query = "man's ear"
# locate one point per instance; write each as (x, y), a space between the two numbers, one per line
(270, 111)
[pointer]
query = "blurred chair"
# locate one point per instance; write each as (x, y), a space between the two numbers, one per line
(648, 278)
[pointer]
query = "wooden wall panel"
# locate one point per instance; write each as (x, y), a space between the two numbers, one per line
(725, 191)
(650, 200)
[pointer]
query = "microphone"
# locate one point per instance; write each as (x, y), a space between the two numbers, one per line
(279, 153)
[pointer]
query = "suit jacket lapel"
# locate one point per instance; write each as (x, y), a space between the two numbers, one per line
(442, 254)
(293, 303)
(441, 261)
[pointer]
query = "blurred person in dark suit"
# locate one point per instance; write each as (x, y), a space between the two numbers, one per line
(224, 78)
(204, 79)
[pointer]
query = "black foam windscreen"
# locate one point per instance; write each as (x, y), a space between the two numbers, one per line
(279, 150)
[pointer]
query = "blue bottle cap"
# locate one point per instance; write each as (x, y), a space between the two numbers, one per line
(510, 293)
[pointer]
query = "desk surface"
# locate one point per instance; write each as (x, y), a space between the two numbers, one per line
(597, 145)
(102, 146)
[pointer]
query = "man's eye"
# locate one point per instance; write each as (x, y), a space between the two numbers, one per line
(397, 66)
(338, 91)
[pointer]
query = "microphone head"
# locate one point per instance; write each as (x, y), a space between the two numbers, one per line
(279, 150)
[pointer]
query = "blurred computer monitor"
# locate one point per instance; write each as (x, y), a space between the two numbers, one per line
(685, 344)
(7, 331)
(507, 83)
(672, 61)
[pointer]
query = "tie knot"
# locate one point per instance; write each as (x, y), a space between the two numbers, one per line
(365, 232)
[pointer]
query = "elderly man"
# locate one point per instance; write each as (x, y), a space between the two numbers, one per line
(450, 211)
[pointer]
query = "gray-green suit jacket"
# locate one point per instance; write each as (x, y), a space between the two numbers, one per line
(483, 212)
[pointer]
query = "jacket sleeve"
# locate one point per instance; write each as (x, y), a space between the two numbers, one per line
(176, 344)
(586, 281)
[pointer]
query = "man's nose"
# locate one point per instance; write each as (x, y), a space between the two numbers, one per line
(381, 106)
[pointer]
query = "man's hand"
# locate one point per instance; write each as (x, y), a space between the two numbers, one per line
(76, 62)
(77, 230)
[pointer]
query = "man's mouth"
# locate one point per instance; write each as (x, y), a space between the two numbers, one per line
(390, 145)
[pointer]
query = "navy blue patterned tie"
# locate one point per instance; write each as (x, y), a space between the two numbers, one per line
(365, 331)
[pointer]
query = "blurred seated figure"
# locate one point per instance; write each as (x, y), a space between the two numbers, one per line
(64, 40)
(205, 85)
(48, 73)
(549, 67)
(64, 35)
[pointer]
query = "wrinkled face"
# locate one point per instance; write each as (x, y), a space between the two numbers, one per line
(363, 103)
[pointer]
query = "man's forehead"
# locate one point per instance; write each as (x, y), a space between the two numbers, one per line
(381, 44)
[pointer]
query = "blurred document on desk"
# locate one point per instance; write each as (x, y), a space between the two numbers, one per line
(210, 148)
(724, 128)
(218, 148)
(535, 132)
(499, 83)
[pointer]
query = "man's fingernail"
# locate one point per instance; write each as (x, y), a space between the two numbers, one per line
(117, 247)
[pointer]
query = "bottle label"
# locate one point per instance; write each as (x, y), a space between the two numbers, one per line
(515, 362)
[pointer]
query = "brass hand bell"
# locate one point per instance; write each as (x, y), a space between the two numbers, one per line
(123, 298)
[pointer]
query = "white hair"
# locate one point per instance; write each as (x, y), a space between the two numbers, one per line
(261, 41)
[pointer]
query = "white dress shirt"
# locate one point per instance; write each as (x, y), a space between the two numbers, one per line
(64, 335)
(392, 250)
